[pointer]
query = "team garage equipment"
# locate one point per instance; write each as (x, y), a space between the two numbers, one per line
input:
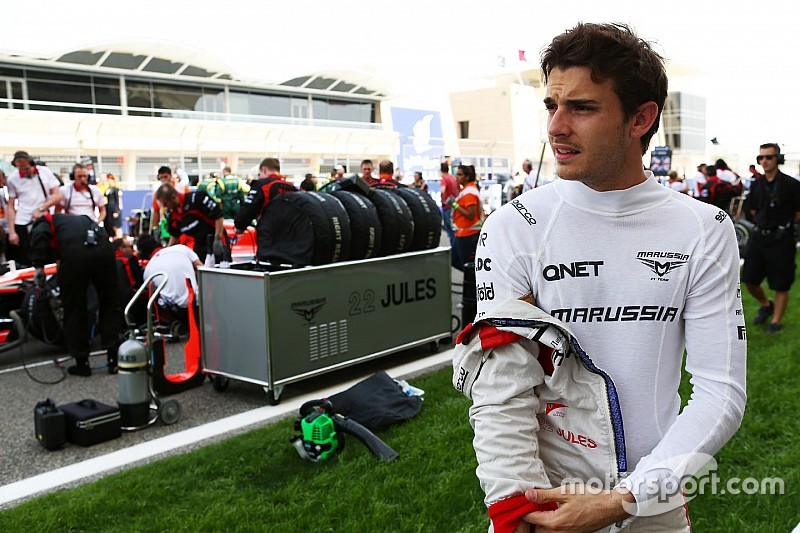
(350, 277)
(143, 380)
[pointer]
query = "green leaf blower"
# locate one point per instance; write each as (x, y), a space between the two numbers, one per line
(322, 433)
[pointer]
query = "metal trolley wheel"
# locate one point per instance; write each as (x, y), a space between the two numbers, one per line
(272, 399)
(274, 395)
(169, 411)
(220, 383)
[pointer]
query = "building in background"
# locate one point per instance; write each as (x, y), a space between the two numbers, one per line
(498, 127)
(132, 108)
(683, 130)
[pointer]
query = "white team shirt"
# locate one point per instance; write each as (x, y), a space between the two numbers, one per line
(528, 181)
(28, 192)
(633, 291)
(678, 186)
(77, 202)
(177, 262)
(726, 175)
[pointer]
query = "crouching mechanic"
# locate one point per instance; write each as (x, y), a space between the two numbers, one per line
(84, 256)
(195, 215)
(179, 263)
(635, 306)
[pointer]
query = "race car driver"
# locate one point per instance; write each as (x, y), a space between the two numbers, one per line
(635, 305)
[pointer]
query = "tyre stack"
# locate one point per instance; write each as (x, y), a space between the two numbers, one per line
(319, 228)
(397, 223)
(307, 228)
(426, 216)
(365, 226)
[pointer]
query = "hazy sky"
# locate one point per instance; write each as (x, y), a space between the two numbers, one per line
(742, 56)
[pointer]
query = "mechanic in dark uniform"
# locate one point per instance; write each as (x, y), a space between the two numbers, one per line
(129, 279)
(774, 203)
(270, 183)
(195, 215)
(84, 255)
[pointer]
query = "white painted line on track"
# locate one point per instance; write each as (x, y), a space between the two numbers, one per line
(97, 465)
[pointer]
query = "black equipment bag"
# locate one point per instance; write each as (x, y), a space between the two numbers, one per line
(376, 402)
(90, 422)
(50, 425)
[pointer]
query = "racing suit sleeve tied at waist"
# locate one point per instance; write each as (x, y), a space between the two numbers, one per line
(506, 514)
(543, 414)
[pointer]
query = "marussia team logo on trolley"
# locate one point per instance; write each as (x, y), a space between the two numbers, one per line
(656, 262)
(308, 309)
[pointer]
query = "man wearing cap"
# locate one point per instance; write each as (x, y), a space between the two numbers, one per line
(35, 190)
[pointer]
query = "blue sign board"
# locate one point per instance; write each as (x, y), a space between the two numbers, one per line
(421, 142)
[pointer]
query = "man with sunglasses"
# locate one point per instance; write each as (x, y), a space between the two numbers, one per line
(774, 203)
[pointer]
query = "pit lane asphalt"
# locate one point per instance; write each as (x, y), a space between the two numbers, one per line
(25, 464)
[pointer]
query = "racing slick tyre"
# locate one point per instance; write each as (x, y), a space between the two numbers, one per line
(308, 228)
(365, 227)
(427, 218)
(744, 232)
(397, 224)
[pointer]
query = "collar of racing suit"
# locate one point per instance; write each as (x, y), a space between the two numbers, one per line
(641, 197)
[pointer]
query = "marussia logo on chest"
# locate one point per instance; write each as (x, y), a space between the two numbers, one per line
(654, 261)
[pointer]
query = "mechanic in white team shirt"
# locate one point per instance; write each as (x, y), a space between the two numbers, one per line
(179, 263)
(32, 189)
(81, 197)
(592, 250)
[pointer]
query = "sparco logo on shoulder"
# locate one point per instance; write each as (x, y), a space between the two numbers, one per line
(524, 212)
(656, 262)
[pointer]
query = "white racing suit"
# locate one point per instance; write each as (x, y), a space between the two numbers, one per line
(543, 414)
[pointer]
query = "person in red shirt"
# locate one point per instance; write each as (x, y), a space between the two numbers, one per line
(448, 190)
(467, 217)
